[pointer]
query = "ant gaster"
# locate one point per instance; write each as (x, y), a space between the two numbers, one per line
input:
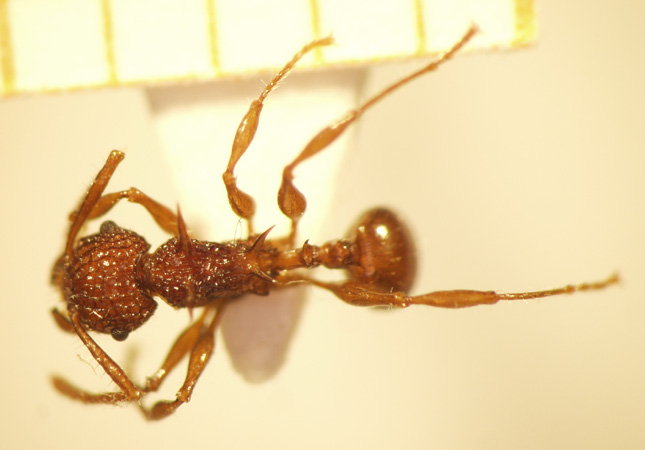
(109, 280)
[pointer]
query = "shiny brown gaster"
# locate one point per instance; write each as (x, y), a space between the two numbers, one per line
(109, 280)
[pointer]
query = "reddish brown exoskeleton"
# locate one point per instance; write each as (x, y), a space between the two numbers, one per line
(109, 280)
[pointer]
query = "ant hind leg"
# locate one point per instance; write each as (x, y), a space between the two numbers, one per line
(291, 201)
(360, 294)
(242, 203)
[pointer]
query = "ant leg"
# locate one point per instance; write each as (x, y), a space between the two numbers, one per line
(291, 201)
(165, 218)
(95, 204)
(358, 294)
(242, 203)
(194, 338)
(199, 356)
(186, 340)
(129, 392)
(91, 198)
(62, 321)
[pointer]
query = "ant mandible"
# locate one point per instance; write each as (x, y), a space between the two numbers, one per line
(108, 280)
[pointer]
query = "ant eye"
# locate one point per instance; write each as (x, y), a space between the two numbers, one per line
(119, 334)
(108, 226)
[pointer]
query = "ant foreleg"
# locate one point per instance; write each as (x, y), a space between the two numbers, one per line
(129, 392)
(199, 356)
(359, 294)
(242, 203)
(291, 201)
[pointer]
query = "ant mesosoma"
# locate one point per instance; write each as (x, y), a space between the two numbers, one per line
(108, 280)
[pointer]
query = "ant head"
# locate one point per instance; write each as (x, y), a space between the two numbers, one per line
(100, 282)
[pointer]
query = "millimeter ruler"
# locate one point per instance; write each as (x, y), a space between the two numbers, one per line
(79, 44)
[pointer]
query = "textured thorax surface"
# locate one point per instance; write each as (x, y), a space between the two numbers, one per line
(193, 276)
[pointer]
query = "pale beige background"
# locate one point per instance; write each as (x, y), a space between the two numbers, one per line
(516, 171)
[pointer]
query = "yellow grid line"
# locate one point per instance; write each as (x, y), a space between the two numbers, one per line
(524, 33)
(421, 29)
(525, 29)
(315, 29)
(108, 36)
(212, 37)
(6, 50)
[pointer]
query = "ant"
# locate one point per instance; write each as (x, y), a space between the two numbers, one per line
(108, 280)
